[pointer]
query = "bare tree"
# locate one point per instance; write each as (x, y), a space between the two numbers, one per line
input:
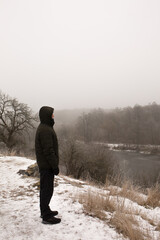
(15, 119)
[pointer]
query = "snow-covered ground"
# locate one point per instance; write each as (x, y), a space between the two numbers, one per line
(19, 209)
(20, 216)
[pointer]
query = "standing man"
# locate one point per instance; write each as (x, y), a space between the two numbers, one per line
(46, 147)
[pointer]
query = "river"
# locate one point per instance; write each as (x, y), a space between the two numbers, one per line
(143, 169)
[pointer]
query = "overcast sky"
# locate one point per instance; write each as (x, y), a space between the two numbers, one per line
(80, 53)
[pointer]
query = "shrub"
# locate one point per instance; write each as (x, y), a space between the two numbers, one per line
(82, 160)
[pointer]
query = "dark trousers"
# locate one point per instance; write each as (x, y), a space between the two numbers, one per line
(46, 192)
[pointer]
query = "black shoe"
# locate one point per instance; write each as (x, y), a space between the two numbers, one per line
(52, 214)
(51, 220)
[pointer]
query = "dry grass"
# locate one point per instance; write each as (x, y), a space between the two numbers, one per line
(127, 190)
(12, 153)
(136, 194)
(153, 196)
(74, 182)
(107, 183)
(146, 218)
(131, 192)
(20, 192)
(158, 227)
(122, 218)
(93, 204)
(126, 225)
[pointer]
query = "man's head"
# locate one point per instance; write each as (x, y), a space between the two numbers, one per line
(46, 115)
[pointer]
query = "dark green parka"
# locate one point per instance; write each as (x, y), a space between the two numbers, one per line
(46, 143)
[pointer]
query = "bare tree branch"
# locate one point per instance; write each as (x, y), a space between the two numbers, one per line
(15, 118)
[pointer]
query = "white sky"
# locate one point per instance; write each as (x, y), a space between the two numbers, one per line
(80, 53)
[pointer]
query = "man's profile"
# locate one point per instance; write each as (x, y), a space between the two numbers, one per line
(46, 147)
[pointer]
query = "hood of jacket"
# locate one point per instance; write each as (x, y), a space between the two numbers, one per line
(45, 115)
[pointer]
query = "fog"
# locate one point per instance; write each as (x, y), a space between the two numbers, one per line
(80, 54)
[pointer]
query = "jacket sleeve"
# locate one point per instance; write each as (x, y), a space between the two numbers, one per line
(47, 144)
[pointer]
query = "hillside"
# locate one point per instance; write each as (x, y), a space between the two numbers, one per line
(20, 217)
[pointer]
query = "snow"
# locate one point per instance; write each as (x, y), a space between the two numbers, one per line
(20, 215)
(19, 211)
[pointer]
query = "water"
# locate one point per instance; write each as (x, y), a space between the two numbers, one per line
(143, 169)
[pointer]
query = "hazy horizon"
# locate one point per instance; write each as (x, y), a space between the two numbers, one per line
(80, 54)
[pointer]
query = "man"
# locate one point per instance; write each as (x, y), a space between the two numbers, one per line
(46, 147)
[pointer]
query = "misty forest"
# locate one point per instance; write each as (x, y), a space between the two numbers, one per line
(85, 137)
(109, 172)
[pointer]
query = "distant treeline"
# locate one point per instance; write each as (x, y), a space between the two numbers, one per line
(137, 125)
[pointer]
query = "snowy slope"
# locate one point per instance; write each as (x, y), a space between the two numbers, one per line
(19, 209)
